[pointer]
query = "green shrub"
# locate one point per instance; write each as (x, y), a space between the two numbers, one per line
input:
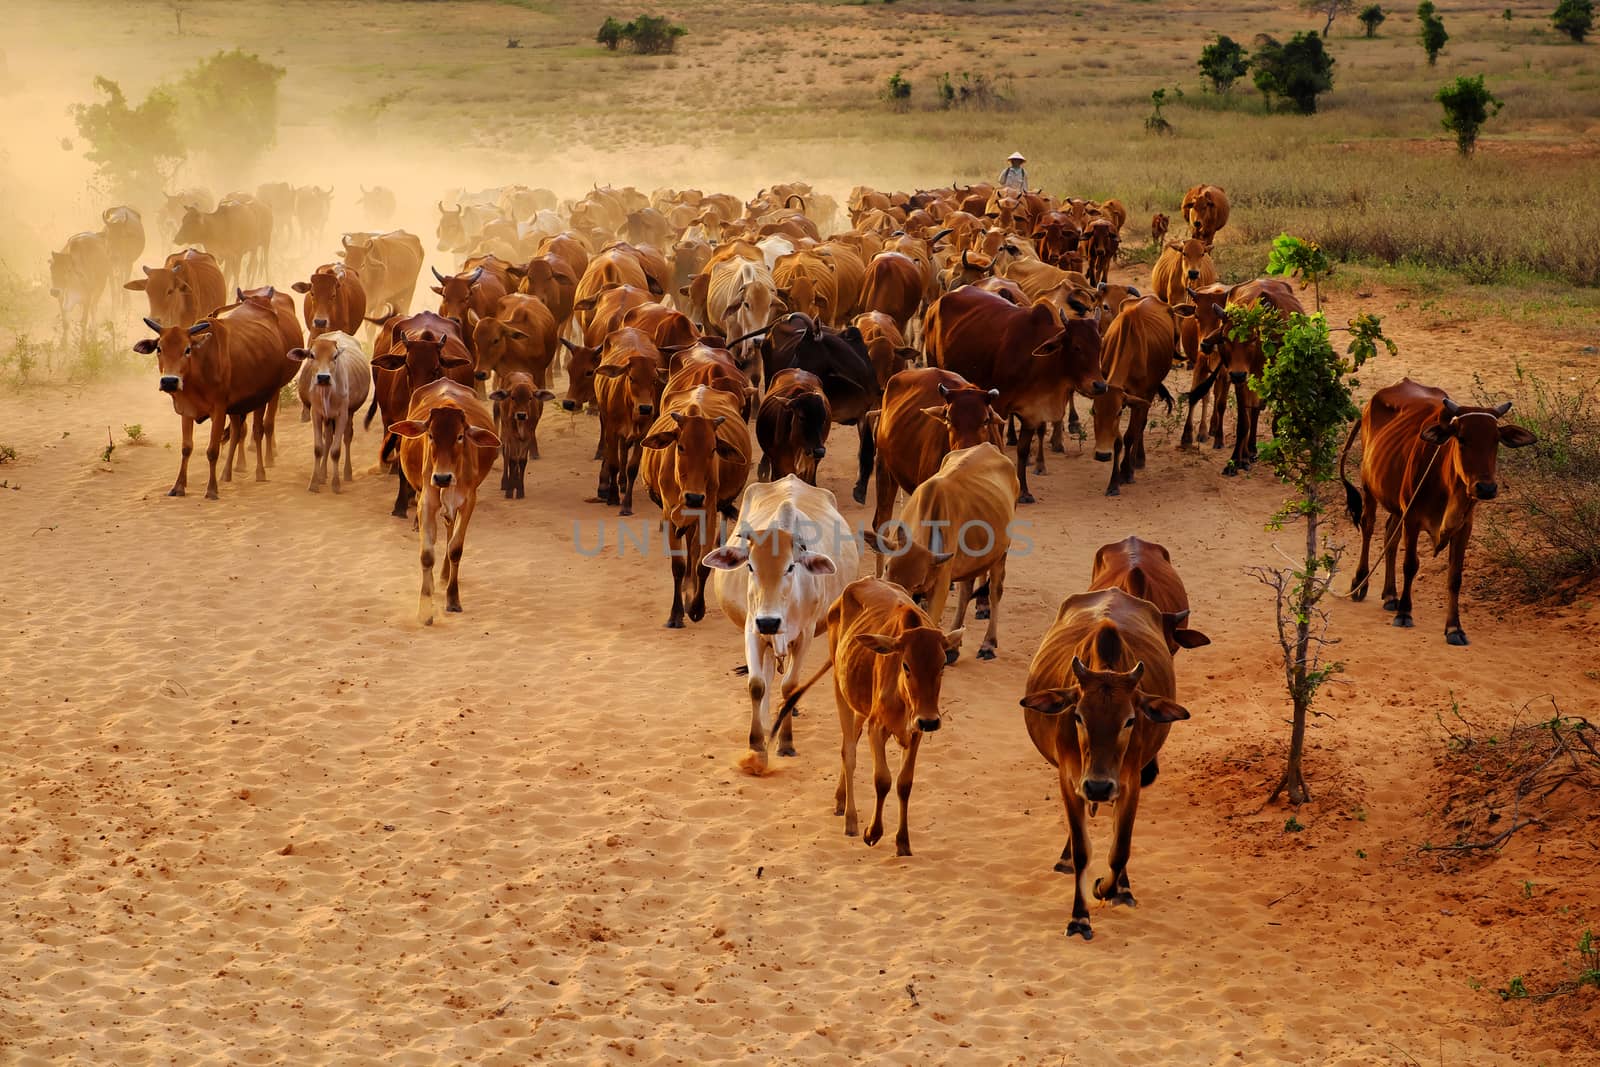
(1468, 104)
(1156, 123)
(897, 92)
(1574, 18)
(610, 33)
(1298, 71)
(1223, 62)
(134, 149)
(1372, 16)
(652, 35)
(1431, 31)
(978, 91)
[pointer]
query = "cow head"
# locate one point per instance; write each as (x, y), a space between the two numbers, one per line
(323, 356)
(518, 404)
(324, 295)
(779, 563)
(1478, 434)
(495, 342)
(423, 356)
(644, 379)
(1195, 256)
(167, 289)
(452, 229)
(696, 449)
(1074, 351)
(967, 415)
(910, 564)
(809, 421)
(455, 293)
(179, 350)
(1102, 707)
(447, 435)
(916, 658)
(192, 229)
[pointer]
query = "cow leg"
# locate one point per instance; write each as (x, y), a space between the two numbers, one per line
(343, 432)
(319, 452)
(1132, 439)
(258, 431)
(1072, 417)
(1391, 549)
(402, 492)
(758, 660)
(997, 589)
(1058, 430)
(1043, 430)
(963, 598)
(1187, 440)
(698, 572)
(1453, 633)
(181, 486)
(844, 798)
(1241, 434)
(1078, 841)
(1369, 519)
(1117, 453)
(1114, 887)
(883, 506)
(1255, 428)
(505, 467)
(458, 545)
(1024, 443)
(1219, 408)
(1402, 611)
(878, 738)
(219, 424)
(902, 787)
(234, 434)
(305, 411)
(866, 448)
(522, 478)
(678, 553)
(635, 457)
(271, 424)
(427, 523)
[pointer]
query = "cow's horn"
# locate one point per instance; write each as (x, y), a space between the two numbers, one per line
(152, 323)
(1451, 408)
(944, 390)
(1501, 409)
(436, 274)
(475, 276)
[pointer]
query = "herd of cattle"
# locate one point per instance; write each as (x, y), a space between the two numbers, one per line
(716, 337)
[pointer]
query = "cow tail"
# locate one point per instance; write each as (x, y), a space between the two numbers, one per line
(1161, 391)
(793, 698)
(1352, 497)
(372, 409)
(1198, 393)
(868, 454)
(391, 448)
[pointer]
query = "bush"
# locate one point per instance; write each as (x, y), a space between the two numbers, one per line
(1156, 123)
(1542, 534)
(1467, 105)
(1574, 18)
(897, 92)
(1223, 62)
(1298, 71)
(977, 91)
(652, 35)
(1431, 33)
(1371, 18)
(610, 33)
(228, 109)
(134, 149)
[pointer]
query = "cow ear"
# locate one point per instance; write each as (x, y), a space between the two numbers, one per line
(409, 428)
(544, 394)
(1051, 701)
(586, 304)
(499, 394)
(137, 285)
(1516, 437)
(482, 437)
(437, 289)
(516, 335)
(298, 354)
(660, 440)
(726, 558)
(815, 563)
(941, 558)
(728, 451)
(473, 318)
(1188, 638)
(1160, 709)
(448, 359)
(390, 361)
(938, 414)
(609, 370)
(952, 639)
(301, 287)
(146, 346)
(878, 644)
(1184, 311)
(908, 353)
(1437, 434)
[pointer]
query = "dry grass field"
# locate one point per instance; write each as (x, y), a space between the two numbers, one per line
(255, 814)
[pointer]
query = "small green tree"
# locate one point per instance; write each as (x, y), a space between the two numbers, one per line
(897, 92)
(1468, 104)
(610, 33)
(1156, 122)
(228, 109)
(1371, 17)
(1223, 62)
(1431, 31)
(1309, 389)
(1330, 9)
(652, 35)
(1298, 71)
(1292, 257)
(1574, 18)
(134, 149)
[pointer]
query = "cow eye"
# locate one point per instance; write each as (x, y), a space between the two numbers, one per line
(790, 570)
(1128, 725)
(751, 567)
(906, 667)
(186, 350)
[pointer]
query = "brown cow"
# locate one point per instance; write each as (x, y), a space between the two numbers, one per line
(1159, 224)
(477, 291)
(627, 387)
(792, 426)
(389, 265)
(613, 267)
(124, 230)
(806, 283)
(231, 363)
(1428, 461)
(447, 447)
(335, 300)
(1136, 355)
(413, 351)
(1100, 702)
(518, 403)
(184, 289)
(1182, 265)
(311, 207)
(886, 347)
(282, 307)
(1099, 245)
(927, 413)
(1209, 302)
(893, 286)
(335, 379)
(888, 661)
(552, 279)
(79, 274)
(238, 233)
(696, 461)
(518, 335)
(1243, 360)
(1034, 356)
(1205, 209)
(1144, 569)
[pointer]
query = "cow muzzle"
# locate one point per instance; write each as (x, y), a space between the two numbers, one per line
(320, 324)
(1098, 388)
(1194, 276)
(768, 624)
(1099, 790)
(443, 480)
(324, 379)
(569, 405)
(647, 409)
(1486, 490)
(819, 452)
(170, 383)
(1237, 377)
(1102, 457)
(694, 500)
(928, 726)
(521, 416)
(1207, 346)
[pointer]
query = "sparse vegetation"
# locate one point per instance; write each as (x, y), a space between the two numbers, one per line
(1468, 104)
(1431, 31)
(7, 454)
(1574, 18)
(977, 91)
(1297, 72)
(1293, 257)
(228, 109)
(610, 33)
(135, 432)
(1156, 122)
(134, 149)
(652, 35)
(1372, 16)
(1223, 62)
(1329, 9)
(897, 92)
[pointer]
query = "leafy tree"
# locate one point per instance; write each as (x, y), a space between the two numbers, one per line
(1309, 389)
(1223, 62)
(1331, 9)
(228, 109)
(652, 35)
(1468, 104)
(1574, 18)
(1431, 32)
(1292, 257)
(1371, 17)
(1298, 71)
(134, 149)
(1157, 123)
(610, 33)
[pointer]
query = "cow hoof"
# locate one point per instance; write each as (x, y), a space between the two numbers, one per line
(1358, 591)
(981, 612)
(787, 750)
(902, 850)
(1063, 867)
(986, 653)
(175, 491)
(1026, 498)
(1455, 637)
(674, 624)
(1391, 604)
(1039, 471)
(951, 655)
(697, 612)
(211, 494)
(1058, 448)
(872, 836)
(1230, 471)
(454, 609)
(625, 512)
(1080, 928)
(859, 494)
(1403, 621)
(1113, 491)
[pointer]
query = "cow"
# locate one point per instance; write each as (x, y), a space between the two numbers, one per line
(173, 205)
(238, 233)
(1099, 245)
(550, 278)
(927, 413)
(447, 446)
(792, 426)
(461, 226)
(1182, 265)
(311, 207)
(888, 660)
(614, 267)
(1159, 224)
(1209, 303)
(886, 348)
(412, 351)
(787, 560)
(1205, 209)
(389, 265)
(1035, 277)
(519, 335)
(377, 205)
(849, 276)
(1428, 461)
(628, 380)
(955, 529)
(741, 298)
(696, 462)
(1144, 569)
(477, 291)
(1035, 357)
(184, 289)
(282, 307)
(689, 258)
(1101, 697)
(335, 380)
(806, 283)
(335, 300)
(124, 230)
(230, 364)
(518, 402)
(1136, 355)
(1243, 359)
(893, 286)
(838, 357)
(79, 274)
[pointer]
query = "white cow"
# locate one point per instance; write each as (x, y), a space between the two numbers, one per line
(335, 379)
(788, 559)
(741, 299)
(774, 247)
